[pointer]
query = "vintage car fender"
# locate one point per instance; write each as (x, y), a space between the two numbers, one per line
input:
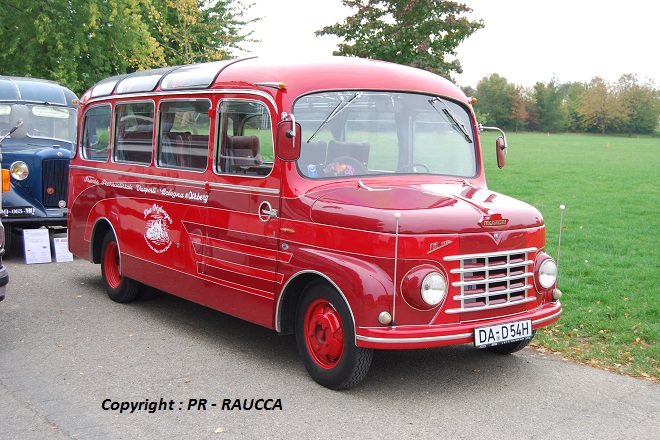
(357, 280)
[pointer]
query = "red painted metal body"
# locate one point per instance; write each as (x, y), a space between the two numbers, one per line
(222, 249)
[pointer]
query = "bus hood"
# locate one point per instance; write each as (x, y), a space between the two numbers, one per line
(423, 209)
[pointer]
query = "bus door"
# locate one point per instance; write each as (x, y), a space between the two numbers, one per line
(242, 237)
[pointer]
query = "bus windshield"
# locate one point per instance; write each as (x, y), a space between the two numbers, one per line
(45, 109)
(52, 122)
(360, 133)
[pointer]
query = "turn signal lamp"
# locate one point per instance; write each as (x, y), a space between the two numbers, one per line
(274, 85)
(5, 181)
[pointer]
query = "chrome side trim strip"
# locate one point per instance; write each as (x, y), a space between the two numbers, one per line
(274, 191)
(547, 318)
(413, 340)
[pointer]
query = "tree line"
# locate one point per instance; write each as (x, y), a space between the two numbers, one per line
(79, 42)
(627, 106)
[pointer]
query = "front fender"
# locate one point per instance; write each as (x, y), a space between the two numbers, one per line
(365, 286)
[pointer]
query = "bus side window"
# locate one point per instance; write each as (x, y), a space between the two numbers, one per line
(183, 134)
(246, 140)
(96, 133)
(134, 127)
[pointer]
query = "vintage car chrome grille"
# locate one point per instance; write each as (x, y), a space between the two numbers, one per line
(55, 174)
(493, 280)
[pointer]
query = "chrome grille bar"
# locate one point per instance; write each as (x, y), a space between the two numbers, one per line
(493, 280)
(489, 280)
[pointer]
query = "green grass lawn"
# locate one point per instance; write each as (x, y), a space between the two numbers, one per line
(609, 269)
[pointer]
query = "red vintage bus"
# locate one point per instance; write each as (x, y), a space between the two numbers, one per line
(342, 200)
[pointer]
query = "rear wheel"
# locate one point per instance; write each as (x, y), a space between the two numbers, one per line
(325, 335)
(511, 347)
(119, 288)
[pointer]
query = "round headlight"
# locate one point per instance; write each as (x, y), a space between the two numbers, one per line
(548, 273)
(434, 288)
(19, 170)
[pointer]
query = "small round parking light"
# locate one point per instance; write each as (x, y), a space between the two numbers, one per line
(385, 318)
(61, 204)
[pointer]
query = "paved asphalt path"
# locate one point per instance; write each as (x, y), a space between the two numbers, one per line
(65, 349)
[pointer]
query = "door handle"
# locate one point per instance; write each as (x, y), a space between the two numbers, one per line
(272, 213)
(266, 212)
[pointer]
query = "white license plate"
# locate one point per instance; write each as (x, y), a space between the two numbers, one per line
(502, 333)
(19, 210)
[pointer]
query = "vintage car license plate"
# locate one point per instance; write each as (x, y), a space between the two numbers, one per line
(19, 210)
(502, 333)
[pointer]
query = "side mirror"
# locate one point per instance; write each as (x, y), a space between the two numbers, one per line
(500, 146)
(18, 121)
(288, 141)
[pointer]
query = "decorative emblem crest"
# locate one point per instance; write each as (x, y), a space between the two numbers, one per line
(157, 231)
(494, 220)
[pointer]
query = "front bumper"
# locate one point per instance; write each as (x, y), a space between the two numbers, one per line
(411, 337)
(34, 222)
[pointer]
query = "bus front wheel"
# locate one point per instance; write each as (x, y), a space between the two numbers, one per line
(325, 335)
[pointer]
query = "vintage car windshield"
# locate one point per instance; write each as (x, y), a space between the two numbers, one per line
(43, 121)
(360, 133)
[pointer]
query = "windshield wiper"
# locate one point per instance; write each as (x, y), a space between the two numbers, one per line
(452, 118)
(335, 112)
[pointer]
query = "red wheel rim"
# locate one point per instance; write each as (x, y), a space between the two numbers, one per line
(111, 265)
(324, 334)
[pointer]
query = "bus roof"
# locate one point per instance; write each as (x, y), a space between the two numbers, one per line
(297, 77)
(18, 89)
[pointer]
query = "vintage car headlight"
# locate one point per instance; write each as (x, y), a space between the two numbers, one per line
(19, 170)
(434, 288)
(548, 273)
(424, 287)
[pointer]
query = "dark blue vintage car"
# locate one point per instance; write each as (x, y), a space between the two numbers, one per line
(36, 155)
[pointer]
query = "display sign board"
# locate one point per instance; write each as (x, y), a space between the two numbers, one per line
(36, 243)
(61, 250)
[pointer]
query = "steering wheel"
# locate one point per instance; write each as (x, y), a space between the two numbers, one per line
(412, 166)
(358, 167)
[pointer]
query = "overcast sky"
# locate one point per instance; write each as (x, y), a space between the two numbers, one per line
(523, 40)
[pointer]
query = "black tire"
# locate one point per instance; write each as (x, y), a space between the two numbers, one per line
(119, 288)
(325, 334)
(511, 347)
(9, 236)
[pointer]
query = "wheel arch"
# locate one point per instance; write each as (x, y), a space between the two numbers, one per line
(285, 312)
(100, 229)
